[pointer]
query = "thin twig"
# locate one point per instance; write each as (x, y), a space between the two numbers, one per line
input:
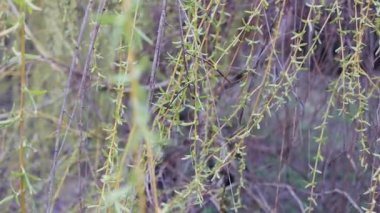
(156, 58)
(291, 192)
(74, 60)
(259, 199)
(23, 85)
(212, 64)
(180, 11)
(346, 195)
(81, 93)
(157, 51)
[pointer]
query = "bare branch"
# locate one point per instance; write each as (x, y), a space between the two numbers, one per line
(157, 51)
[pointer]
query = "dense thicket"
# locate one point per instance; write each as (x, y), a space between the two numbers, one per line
(189, 106)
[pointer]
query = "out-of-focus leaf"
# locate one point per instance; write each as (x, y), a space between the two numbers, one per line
(6, 199)
(37, 92)
(32, 6)
(9, 30)
(144, 36)
(8, 122)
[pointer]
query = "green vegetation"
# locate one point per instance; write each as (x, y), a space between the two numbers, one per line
(189, 106)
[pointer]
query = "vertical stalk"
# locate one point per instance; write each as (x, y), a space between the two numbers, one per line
(22, 115)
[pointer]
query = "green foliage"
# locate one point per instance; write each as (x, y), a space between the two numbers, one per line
(214, 106)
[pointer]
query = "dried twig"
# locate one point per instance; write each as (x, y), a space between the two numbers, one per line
(344, 194)
(291, 192)
(157, 51)
(81, 93)
(49, 206)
